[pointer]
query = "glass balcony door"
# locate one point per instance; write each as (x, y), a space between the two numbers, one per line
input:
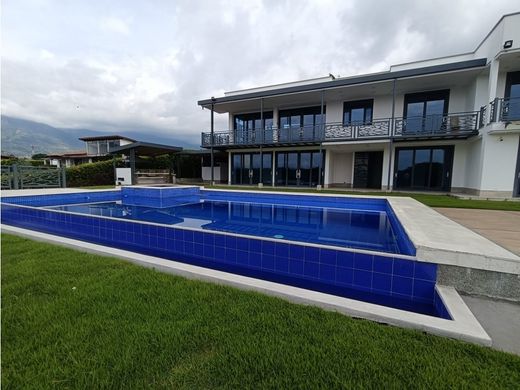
(424, 112)
(512, 97)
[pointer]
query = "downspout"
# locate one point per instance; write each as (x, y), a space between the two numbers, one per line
(262, 124)
(322, 137)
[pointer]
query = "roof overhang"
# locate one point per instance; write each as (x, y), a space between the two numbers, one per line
(146, 149)
(223, 104)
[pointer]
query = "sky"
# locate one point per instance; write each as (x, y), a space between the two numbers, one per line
(143, 65)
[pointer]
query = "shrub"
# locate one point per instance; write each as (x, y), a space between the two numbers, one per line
(92, 174)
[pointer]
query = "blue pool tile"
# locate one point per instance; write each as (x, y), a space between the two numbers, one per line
(344, 275)
(403, 268)
(220, 253)
(312, 254)
(382, 282)
(383, 264)
(296, 267)
(220, 240)
(425, 271)
(231, 242)
(281, 249)
(243, 244)
(231, 255)
(268, 247)
(268, 262)
(242, 257)
(296, 252)
(255, 246)
(209, 251)
(255, 260)
(281, 264)
(345, 259)
(311, 269)
(188, 235)
(198, 237)
(363, 261)
(327, 273)
(198, 250)
(402, 285)
(328, 256)
(423, 289)
(362, 278)
(209, 239)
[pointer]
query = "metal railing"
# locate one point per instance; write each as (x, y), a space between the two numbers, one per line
(449, 125)
(14, 177)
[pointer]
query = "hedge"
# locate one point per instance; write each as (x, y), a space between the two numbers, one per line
(92, 174)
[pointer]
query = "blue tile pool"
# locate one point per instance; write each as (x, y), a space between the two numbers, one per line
(351, 247)
(361, 229)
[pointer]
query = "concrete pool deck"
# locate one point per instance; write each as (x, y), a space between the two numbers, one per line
(501, 227)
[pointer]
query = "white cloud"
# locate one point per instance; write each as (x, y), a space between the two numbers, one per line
(147, 67)
(115, 25)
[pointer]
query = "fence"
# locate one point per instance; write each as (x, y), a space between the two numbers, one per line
(14, 177)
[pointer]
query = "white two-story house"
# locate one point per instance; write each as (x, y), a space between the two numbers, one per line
(447, 124)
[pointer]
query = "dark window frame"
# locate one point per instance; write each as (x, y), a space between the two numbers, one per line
(449, 159)
(423, 97)
(301, 112)
(356, 104)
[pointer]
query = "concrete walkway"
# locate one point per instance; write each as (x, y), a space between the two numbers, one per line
(501, 227)
(500, 319)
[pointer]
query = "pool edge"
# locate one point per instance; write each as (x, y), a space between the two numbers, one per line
(464, 325)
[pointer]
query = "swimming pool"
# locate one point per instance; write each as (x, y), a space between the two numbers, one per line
(349, 247)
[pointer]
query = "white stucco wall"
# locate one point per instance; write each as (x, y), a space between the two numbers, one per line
(499, 162)
(340, 168)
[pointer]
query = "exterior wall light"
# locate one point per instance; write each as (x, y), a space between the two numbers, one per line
(508, 44)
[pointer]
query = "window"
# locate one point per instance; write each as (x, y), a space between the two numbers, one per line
(248, 128)
(113, 144)
(424, 111)
(358, 112)
(92, 148)
(103, 147)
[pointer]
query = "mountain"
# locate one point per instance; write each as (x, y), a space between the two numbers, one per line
(23, 137)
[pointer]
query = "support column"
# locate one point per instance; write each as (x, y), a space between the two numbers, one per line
(132, 166)
(492, 88)
(391, 130)
(230, 160)
(273, 169)
(212, 140)
(321, 136)
(276, 118)
(262, 137)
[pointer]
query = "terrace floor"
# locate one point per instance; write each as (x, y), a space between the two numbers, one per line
(501, 227)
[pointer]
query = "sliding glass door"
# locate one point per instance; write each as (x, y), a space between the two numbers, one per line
(424, 168)
(251, 168)
(298, 168)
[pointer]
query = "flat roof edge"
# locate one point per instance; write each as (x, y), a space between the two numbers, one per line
(367, 78)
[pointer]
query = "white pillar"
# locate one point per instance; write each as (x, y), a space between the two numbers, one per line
(326, 170)
(229, 167)
(493, 80)
(273, 170)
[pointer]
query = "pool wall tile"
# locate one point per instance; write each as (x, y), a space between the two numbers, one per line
(324, 269)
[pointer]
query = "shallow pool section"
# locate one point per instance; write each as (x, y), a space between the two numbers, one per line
(348, 247)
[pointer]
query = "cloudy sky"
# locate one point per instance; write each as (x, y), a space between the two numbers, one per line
(136, 65)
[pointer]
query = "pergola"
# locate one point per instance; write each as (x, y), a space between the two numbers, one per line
(147, 149)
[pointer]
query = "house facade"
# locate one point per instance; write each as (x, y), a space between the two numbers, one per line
(447, 124)
(96, 148)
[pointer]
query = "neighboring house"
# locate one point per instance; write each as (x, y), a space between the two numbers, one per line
(444, 124)
(95, 149)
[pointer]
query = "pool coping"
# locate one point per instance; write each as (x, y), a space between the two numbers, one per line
(463, 326)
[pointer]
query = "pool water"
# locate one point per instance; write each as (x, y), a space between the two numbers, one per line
(360, 229)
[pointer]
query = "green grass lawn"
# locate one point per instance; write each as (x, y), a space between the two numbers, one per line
(75, 320)
(432, 200)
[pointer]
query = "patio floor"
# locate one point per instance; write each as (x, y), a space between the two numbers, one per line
(501, 227)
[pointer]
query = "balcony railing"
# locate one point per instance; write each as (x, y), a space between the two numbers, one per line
(450, 125)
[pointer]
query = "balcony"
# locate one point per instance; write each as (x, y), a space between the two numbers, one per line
(455, 125)
(505, 110)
